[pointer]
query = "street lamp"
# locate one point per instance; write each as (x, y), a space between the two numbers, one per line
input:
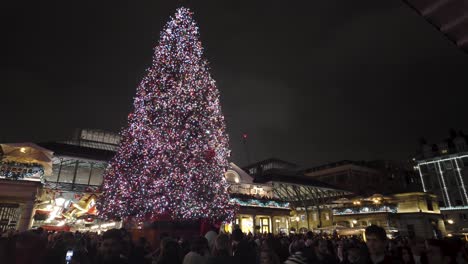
(450, 221)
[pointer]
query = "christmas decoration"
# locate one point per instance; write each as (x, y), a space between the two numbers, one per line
(173, 154)
(17, 170)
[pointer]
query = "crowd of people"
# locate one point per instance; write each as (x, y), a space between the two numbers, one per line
(116, 246)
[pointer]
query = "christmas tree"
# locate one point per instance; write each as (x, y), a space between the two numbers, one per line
(173, 154)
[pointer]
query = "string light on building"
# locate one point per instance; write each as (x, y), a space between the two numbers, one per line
(173, 154)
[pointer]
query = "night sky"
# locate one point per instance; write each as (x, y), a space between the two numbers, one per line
(309, 81)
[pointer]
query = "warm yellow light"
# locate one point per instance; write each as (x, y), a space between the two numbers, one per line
(23, 150)
(450, 221)
(354, 221)
(297, 218)
(449, 235)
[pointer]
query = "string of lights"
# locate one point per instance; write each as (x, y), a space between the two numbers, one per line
(173, 154)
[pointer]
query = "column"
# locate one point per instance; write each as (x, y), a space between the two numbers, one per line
(270, 224)
(254, 224)
(26, 216)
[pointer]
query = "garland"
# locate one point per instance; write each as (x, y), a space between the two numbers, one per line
(22, 170)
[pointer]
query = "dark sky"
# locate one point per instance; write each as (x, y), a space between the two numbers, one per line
(309, 81)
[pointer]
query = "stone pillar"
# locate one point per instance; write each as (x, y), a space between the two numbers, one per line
(254, 224)
(270, 223)
(26, 216)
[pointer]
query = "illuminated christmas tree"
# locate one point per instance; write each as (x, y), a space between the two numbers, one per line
(173, 154)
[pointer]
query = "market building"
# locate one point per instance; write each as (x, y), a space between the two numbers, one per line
(442, 170)
(23, 168)
(267, 198)
(405, 214)
(56, 185)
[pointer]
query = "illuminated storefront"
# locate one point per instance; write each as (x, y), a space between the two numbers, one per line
(73, 186)
(407, 214)
(23, 168)
(266, 203)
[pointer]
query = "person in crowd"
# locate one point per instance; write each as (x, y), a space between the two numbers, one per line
(112, 249)
(211, 237)
(268, 249)
(30, 248)
(242, 249)
(169, 253)
(376, 240)
(418, 248)
(323, 252)
(441, 251)
(139, 251)
(155, 253)
(59, 246)
(115, 246)
(298, 255)
(198, 252)
(405, 255)
(222, 253)
(268, 256)
(309, 239)
(355, 255)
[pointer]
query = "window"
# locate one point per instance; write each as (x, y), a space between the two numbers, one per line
(429, 205)
(314, 217)
(424, 169)
(327, 216)
(463, 162)
(448, 165)
(68, 171)
(96, 174)
(83, 173)
(55, 173)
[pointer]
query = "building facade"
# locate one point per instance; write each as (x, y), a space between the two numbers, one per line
(23, 168)
(406, 214)
(443, 170)
(367, 177)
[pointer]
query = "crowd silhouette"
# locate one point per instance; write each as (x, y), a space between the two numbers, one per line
(116, 246)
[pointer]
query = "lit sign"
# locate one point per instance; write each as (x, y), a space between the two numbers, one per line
(21, 171)
(258, 203)
(365, 210)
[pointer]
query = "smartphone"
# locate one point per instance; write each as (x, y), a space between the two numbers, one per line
(68, 256)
